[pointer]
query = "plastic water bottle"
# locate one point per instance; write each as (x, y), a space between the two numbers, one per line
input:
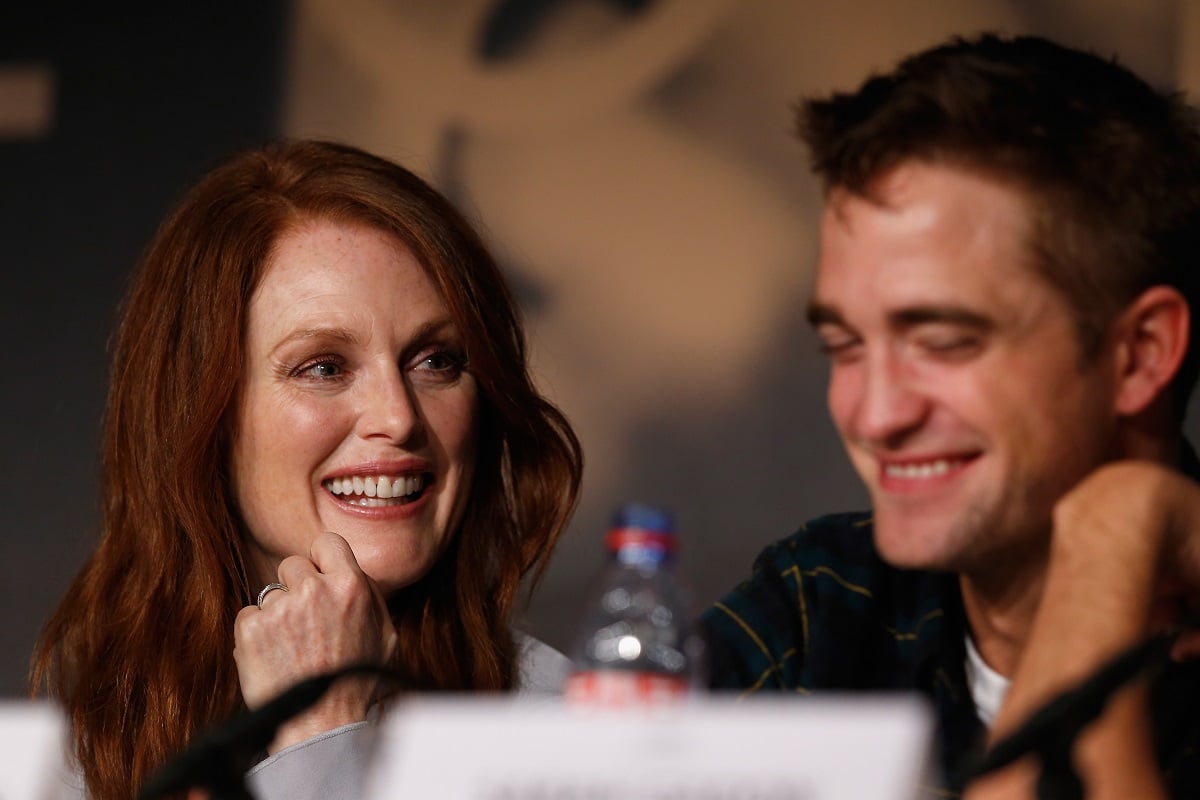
(637, 644)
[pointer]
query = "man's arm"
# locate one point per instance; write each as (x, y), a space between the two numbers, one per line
(1113, 536)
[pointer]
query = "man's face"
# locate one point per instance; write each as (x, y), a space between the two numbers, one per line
(956, 380)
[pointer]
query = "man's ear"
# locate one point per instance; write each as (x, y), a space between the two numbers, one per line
(1151, 341)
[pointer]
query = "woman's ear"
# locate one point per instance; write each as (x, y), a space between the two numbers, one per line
(1151, 341)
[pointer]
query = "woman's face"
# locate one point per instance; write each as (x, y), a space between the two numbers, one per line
(357, 413)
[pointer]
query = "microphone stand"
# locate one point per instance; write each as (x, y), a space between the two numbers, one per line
(217, 760)
(1051, 731)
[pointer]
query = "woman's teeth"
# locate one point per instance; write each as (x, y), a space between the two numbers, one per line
(377, 490)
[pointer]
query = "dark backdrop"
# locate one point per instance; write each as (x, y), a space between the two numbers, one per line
(147, 99)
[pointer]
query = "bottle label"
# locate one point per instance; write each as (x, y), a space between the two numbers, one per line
(622, 688)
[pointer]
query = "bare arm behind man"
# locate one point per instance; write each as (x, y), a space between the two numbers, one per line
(1124, 560)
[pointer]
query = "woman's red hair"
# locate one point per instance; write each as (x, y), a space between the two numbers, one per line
(139, 652)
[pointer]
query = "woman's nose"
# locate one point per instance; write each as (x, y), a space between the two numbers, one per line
(388, 408)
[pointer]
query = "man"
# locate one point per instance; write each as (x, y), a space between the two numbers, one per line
(1004, 290)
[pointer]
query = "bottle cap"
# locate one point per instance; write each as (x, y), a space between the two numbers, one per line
(642, 526)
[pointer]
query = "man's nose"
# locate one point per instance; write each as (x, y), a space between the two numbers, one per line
(891, 405)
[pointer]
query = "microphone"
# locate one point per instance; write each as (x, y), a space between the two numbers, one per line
(1051, 730)
(217, 760)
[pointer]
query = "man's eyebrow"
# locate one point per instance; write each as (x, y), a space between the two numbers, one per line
(904, 318)
(901, 319)
(822, 314)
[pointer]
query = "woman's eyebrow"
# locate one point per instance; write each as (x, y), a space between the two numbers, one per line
(333, 334)
(431, 328)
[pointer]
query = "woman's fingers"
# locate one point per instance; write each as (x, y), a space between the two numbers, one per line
(333, 556)
(331, 553)
(331, 615)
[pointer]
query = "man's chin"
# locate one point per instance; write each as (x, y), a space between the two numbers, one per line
(913, 543)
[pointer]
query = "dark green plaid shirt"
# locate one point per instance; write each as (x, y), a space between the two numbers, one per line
(822, 611)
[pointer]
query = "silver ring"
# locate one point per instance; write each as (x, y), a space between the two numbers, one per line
(266, 590)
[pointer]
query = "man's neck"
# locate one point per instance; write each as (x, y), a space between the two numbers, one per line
(1000, 605)
(1000, 602)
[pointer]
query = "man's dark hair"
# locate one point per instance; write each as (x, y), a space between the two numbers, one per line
(1110, 165)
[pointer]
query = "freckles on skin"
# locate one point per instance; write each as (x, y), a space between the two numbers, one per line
(354, 368)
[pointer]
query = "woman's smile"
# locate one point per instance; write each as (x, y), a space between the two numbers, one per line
(357, 393)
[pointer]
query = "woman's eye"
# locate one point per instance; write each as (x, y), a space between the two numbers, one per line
(441, 363)
(325, 369)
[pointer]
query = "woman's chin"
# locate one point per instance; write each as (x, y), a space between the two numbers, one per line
(391, 578)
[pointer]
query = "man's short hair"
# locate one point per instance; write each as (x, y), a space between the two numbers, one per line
(1110, 165)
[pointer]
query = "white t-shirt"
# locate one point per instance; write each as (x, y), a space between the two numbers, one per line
(988, 687)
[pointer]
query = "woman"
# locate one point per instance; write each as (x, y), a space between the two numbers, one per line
(322, 445)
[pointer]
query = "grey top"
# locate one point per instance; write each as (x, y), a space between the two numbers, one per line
(333, 764)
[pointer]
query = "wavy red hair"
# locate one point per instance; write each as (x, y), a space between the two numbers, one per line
(139, 652)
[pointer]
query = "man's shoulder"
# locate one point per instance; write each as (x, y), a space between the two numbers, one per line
(834, 556)
(844, 536)
(821, 609)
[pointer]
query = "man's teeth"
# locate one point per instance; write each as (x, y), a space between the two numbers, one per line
(382, 487)
(927, 469)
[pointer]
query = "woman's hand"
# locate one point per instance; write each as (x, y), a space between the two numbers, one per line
(331, 615)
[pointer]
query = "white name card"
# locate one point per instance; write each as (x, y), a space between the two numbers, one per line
(32, 744)
(772, 748)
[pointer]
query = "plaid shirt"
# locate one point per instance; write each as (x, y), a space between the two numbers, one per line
(822, 611)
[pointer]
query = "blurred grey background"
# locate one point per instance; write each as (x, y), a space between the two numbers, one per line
(629, 160)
